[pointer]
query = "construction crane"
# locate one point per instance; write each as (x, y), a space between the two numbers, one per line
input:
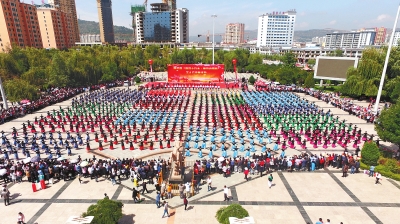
(208, 36)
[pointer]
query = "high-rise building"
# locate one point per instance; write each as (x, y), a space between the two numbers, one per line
(68, 6)
(276, 29)
(351, 39)
(161, 25)
(18, 25)
(171, 4)
(396, 39)
(56, 27)
(104, 9)
(380, 35)
(234, 33)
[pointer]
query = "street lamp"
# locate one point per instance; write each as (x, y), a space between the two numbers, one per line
(213, 16)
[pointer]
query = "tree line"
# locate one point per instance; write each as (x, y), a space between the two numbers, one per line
(364, 80)
(26, 71)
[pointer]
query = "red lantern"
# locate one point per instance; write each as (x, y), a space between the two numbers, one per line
(150, 62)
(234, 61)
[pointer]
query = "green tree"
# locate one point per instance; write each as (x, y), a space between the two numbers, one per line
(19, 89)
(311, 62)
(105, 211)
(252, 80)
(57, 71)
(289, 59)
(137, 79)
(388, 124)
(233, 210)
(309, 82)
(370, 153)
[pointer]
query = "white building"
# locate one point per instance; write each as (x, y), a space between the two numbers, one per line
(90, 38)
(319, 40)
(396, 38)
(350, 40)
(170, 26)
(276, 29)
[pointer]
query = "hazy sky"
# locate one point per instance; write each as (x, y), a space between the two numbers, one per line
(311, 14)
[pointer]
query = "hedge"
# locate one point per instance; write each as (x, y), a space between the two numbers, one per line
(370, 153)
(233, 210)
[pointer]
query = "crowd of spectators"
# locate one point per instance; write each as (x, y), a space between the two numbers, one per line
(347, 104)
(47, 98)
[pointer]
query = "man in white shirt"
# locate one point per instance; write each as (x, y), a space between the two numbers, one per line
(187, 188)
(378, 177)
(226, 191)
(209, 182)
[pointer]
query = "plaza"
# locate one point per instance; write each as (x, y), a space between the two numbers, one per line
(298, 197)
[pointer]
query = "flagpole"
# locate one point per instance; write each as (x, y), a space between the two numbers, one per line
(378, 97)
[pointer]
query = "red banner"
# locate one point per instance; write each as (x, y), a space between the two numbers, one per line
(195, 73)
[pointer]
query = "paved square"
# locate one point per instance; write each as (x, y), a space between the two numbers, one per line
(297, 197)
(316, 187)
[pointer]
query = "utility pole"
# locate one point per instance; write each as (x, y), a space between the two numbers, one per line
(378, 97)
(213, 16)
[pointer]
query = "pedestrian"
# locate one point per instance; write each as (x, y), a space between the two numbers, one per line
(5, 194)
(181, 189)
(187, 188)
(144, 187)
(320, 221)
(185, 202)
(165, 209)
(158, 196)
(371, 171)
(378, 177)
(226, 192)
(209, 182)
(169, 191)
(21, 218)
(135, 195)
(345, 168)
(246, 172)
(106, 196)
(270, 178)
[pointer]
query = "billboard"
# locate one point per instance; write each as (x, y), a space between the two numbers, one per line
(333, 68)
(195, 73)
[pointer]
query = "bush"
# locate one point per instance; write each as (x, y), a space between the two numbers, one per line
(309, 82)
(252, 80)
(137, 79)
(105, 211)
(233, 210)
(370, 153)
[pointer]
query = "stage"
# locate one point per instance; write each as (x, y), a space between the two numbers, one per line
(210, 85)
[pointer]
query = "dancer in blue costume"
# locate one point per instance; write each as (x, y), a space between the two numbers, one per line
(275, 147)
(187, 153)
(186, 144)
(264, 148)
(213, 147)
(247, 153)
(235, 152)
(203, 145)
(283, 154)
(313, 159)
(200, 154)
(196, 144)
(222, 138)
(213, 138)
(224, 153)
(223, 146)
(210, 154)
(242, 148)
(252, 148)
